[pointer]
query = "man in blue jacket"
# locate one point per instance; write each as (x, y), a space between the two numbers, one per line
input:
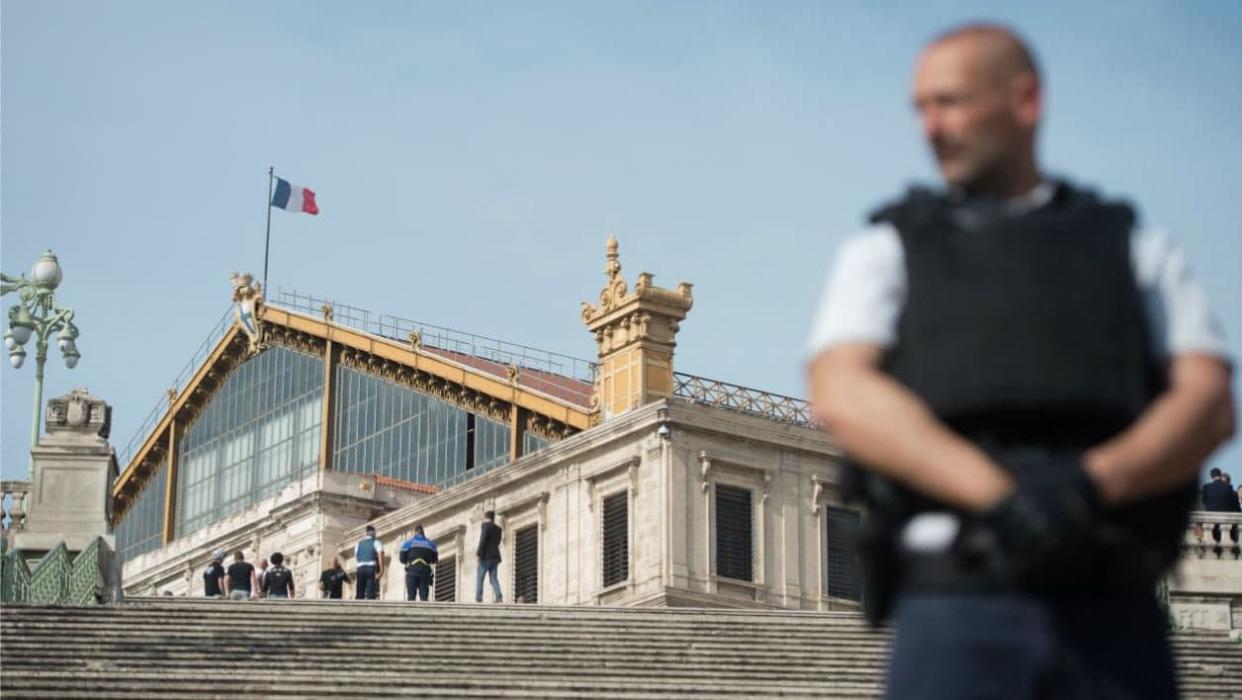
(369, 557)
(418, 554)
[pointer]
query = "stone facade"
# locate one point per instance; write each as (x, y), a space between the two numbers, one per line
(666, 455)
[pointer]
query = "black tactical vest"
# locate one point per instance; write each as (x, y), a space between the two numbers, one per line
(1029, 330)
(1024, 328)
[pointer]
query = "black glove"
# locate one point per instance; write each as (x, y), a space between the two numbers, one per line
(1055, 507)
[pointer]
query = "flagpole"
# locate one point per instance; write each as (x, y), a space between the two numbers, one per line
(267, 243)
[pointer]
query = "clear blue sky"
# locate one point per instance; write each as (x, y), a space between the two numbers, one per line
(470, 159)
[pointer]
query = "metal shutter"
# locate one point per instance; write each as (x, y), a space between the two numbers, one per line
(733, 533)
(842, 574)
(526, 564)
(616, 538)
(446, 580)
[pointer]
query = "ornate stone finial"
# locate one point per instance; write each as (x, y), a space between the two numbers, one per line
(247, 298)
(635, 334)
(512, 372)
(327, 312)
(172, 396)
(79, 412)
(416, 340)
(612, 264)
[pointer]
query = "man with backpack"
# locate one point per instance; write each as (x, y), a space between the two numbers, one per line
(278, 581)
(418, 554)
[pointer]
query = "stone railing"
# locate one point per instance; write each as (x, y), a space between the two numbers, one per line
(1213, 536)
(13, 500)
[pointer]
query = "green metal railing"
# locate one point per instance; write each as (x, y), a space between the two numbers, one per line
(57, 579)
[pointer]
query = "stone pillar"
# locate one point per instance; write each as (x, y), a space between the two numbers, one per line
(71, 495)
(635, 333)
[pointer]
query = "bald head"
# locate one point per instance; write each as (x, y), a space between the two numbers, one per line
(1002, 54)
(977, 91)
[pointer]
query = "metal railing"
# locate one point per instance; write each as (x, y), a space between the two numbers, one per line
(712, 392)
(182, 378)
(559, 375)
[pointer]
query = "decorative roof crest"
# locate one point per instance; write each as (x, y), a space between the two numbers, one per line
(247, 297)
(616, 293)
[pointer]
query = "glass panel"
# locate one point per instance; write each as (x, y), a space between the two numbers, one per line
(389, 429)
(533, 443)
(142, 527)
(259, 433)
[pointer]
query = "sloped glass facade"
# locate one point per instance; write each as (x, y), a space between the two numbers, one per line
(141, 529)
(388, 429)
(259, 432)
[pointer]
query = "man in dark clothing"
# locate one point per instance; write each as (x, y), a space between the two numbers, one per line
(418, 554)
(1219, 496)
(488, 556)
(333, 579)
(278, 581)
(1027, 385)
(239, 579)
(213, 575)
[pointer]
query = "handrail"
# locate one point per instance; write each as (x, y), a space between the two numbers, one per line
(713, 392)
(183, 377)
(543, 370)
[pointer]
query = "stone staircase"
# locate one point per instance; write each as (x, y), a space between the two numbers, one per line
(193, 648)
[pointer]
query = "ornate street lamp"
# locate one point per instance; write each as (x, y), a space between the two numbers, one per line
(37, 315)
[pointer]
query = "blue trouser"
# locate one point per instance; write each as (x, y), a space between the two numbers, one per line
(1014, 645)
(488, 567)
(366, 585)
(417, 585)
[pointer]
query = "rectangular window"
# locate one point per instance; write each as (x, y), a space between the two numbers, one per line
(616, 537)
(734, 533)
(526, 565)
(841, 577)
(446, 580)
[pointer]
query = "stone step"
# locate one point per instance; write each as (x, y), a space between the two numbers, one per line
(323, 683)
(195, 648)
(445, 611)
(275, 635)
(312, 646)
(76, 655)
(617, 674)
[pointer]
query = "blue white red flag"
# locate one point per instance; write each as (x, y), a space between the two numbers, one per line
(294, 198)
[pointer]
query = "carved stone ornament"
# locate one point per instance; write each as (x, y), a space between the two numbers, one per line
(247, 297)
(79, 412)
(615, 293)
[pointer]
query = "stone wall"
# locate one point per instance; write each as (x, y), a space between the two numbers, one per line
(560, 490)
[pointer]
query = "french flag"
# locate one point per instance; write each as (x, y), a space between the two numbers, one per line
(294, 198)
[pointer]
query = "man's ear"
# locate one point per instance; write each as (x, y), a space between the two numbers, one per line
(1027, 98)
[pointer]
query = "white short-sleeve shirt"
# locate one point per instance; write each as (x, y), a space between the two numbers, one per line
(866, 287)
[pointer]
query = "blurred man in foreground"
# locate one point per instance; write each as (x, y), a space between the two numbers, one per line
(1027, 385)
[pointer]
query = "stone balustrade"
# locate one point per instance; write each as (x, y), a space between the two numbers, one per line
(13, 501)
(1212, 535)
